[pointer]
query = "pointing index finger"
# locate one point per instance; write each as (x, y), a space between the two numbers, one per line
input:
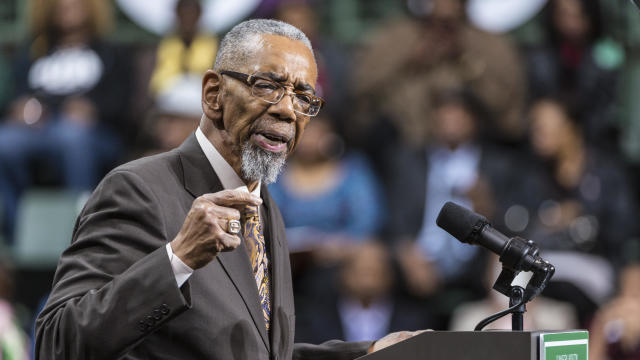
(233, 197)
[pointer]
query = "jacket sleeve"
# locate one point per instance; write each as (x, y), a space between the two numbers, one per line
(114, 285)
(333, 349)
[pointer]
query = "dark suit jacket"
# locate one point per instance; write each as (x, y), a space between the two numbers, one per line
(115, 296)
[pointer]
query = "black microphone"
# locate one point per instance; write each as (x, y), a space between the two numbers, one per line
(516, 254)
(470, 228)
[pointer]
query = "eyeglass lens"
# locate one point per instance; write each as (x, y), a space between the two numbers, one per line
(273, 93)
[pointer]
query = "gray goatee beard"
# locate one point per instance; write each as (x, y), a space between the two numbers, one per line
(261, 165)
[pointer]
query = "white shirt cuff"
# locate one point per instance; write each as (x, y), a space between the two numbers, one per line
(181, 271)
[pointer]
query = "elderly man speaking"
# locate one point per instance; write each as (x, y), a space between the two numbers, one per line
(183, 255)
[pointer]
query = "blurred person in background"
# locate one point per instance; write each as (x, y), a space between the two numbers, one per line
(325, 194)
(186, 54)
(330, 200)
(71, 97)
(615, 331)
(584, 216)
(410, 58)
(542, 313)
(578, 63)
(362, 301)
(182, 57)
(455, 166)
(585, 202)
(14, 343)
(175, 115)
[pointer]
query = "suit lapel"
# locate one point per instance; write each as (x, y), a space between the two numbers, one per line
(199, 179)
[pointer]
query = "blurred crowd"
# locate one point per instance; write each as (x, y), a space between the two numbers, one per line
(423, 107)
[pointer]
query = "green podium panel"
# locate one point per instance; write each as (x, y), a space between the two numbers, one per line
(572, 345)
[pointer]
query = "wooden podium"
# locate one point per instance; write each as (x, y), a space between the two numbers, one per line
(488, 345)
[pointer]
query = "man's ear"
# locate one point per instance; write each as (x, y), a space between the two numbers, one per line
(211, 104)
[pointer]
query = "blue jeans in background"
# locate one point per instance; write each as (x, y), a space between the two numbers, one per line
(80, 152)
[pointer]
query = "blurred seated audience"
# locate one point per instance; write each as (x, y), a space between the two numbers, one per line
(615, 331)
(70, 110)
(361, 303)
(14, 343)
(542, 313)
(185, 54)
(411, 58)
(455, 166)
(580, 64)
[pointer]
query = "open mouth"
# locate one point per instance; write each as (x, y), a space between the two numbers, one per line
(271, 141)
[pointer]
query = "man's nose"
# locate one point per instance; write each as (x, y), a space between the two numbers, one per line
(283, 109)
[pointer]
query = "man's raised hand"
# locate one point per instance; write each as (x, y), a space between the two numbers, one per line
(204, 232)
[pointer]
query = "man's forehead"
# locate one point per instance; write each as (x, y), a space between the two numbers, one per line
(285, 58)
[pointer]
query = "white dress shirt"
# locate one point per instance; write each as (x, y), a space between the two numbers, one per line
(229, 180)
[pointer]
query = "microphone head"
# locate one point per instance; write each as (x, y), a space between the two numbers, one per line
(462, 223)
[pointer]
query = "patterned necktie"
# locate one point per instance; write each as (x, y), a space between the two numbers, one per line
(254, 241)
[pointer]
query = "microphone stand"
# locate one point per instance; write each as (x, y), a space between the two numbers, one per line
(517, 308)
(516, 300)
(519, 255)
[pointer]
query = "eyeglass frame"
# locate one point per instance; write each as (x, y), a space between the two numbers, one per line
(247, 80)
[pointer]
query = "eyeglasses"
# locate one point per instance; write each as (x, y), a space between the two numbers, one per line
(272, 92)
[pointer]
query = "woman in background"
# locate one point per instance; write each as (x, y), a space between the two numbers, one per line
(327, 196)
(583, 212)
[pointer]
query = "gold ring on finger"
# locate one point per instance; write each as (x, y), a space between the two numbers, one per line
(233, 227)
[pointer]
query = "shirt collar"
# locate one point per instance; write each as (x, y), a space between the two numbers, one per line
(228, 176)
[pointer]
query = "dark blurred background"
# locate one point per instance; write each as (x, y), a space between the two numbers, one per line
(525, 111)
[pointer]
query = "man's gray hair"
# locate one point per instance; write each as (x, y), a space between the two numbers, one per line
(239, 44)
